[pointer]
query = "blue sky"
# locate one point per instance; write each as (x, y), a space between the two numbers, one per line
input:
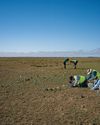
(49, 25)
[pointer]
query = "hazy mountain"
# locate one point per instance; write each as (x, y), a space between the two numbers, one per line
(80, 53)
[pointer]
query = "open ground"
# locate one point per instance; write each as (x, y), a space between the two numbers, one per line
(24, 100)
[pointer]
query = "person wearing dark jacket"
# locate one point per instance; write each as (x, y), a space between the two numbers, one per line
(65, 62)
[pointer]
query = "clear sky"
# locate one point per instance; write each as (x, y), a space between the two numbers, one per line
(49, 25)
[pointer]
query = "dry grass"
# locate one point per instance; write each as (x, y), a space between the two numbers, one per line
(24, 101)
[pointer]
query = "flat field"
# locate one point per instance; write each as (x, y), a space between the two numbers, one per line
(24, 100)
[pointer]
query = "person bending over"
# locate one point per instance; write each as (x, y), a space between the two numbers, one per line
(78, 81)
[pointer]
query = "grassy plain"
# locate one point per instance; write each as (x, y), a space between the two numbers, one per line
(24, 101)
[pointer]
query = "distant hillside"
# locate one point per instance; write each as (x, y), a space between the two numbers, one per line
(80, 53)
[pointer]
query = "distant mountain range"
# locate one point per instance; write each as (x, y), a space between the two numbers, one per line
(80, 53)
